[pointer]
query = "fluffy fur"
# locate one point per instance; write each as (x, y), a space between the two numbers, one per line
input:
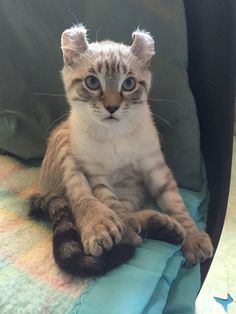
(104, 159)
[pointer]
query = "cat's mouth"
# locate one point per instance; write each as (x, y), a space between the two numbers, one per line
(110, 118)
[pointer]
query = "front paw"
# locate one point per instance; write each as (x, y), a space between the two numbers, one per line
(101, 232)
(197, 247)
(132, 230)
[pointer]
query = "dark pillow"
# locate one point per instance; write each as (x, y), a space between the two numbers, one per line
(31, 91)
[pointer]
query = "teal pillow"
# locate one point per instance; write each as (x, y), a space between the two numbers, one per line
(31, 60)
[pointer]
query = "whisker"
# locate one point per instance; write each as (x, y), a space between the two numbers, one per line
(82, 53)
(162, 119)
(131, 57)
(55, 121)
(86, 56)
(49, 94)
(164, 100)
(162, 139)
(4, 111)
(99, 28)
(73, 15)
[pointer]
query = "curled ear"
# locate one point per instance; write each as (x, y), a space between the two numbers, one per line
(143, 46)
(73, 42)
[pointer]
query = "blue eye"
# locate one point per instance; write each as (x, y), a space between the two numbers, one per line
(92, 82)
(129, 84)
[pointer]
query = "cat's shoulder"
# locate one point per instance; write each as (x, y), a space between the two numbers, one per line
(61, 130)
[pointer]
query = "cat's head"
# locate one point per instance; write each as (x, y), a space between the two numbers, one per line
(106, 82)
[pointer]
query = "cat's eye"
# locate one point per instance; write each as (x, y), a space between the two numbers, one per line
(92, 82)
(129, 84)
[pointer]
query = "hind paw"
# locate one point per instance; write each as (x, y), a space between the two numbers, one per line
(165, 228)
(37, 209)
(197, 247)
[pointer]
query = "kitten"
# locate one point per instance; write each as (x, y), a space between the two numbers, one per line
(102, 161)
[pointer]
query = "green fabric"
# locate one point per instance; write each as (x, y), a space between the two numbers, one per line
(31, 60)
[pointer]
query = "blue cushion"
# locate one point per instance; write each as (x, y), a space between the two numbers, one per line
(155, 280)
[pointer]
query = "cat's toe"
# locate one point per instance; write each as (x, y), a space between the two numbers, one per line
(132, 222)
(131, 237)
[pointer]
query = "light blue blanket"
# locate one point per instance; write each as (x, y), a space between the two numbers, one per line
(155, 281)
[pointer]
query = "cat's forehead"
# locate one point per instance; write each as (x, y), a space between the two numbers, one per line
(110, 57)
(110, 49)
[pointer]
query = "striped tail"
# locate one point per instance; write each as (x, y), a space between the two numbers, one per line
(67, 246)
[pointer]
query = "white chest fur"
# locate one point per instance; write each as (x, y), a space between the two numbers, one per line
(96, 148)
(110, 154)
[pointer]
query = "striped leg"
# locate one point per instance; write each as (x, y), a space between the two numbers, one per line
(100, 227)
(163, 187)
(106, 195)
